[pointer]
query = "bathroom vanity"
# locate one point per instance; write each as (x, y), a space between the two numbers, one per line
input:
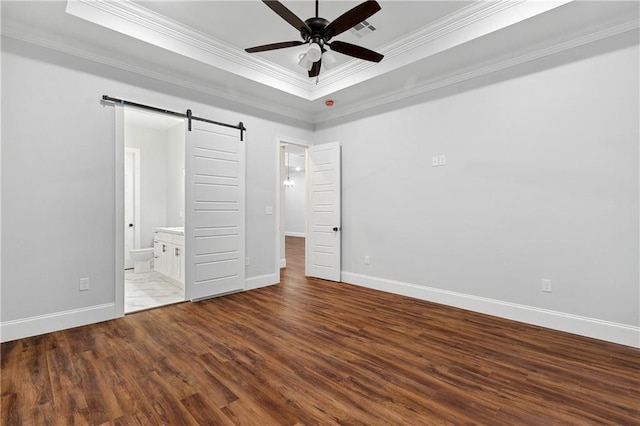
(168, 253)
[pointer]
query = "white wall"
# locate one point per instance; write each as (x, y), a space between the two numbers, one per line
(152, 144)
(58, 201)
(294, 205)
(175, 175)
(541, 181)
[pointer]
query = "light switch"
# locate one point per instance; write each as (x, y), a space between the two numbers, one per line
(269, 210)
(435, 161)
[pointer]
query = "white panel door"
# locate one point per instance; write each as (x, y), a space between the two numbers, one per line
(214, 226)
(323, 227)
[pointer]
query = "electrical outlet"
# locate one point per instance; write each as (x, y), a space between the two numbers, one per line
(268, 210)
(367, 260)
(546, 286)
(438, 160)
(83, 284)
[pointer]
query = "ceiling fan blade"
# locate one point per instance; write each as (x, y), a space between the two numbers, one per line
(288, 16)
(273, 46)
(351, 18)
(356, 51)
(315, 69)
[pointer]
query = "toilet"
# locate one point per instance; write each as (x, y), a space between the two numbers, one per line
(142, 260)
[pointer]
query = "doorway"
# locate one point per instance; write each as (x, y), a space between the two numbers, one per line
(322, 210)
(293, 199)
(154, 209)
(205, 258)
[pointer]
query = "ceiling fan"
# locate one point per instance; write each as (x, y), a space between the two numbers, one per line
(317, 32)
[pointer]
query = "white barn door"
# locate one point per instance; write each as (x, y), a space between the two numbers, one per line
(323, 227)
(215, 215)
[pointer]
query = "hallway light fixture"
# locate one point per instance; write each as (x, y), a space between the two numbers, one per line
(288, 183)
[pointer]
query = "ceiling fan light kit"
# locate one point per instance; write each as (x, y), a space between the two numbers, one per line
(317, 32)
(314, 53)
(328, 60)
(305, 62)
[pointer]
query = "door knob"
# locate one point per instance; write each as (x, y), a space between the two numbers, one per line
(336, 229)
(131, 225)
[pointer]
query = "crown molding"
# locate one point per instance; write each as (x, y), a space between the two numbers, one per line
(413, 42)
(475, 20)
(20, 34)
(128, 18)
(478, 19)
(518, 58)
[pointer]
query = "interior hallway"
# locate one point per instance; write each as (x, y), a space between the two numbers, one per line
(309, 351)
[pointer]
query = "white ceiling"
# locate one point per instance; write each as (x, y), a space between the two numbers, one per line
(427, 45)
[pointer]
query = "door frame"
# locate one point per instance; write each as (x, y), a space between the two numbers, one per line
(136, 197)
(279, 219)
(119, 214)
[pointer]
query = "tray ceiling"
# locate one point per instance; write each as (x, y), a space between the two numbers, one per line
(200, 44)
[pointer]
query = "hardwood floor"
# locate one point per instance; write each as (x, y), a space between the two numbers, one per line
(315, 352)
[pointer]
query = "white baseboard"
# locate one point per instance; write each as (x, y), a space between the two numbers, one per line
(295, 234)
(33, 326)
(283, 263)
(261, 281)
(590, 327)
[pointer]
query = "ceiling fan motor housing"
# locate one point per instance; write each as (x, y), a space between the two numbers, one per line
(317, 35)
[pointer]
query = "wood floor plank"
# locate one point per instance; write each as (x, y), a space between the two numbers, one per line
(313, 352)
(68, 397)
(10, 409)
(204, 412)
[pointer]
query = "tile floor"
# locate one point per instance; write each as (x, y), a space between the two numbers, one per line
(148, 290)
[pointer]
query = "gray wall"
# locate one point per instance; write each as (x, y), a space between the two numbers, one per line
(541, 182)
